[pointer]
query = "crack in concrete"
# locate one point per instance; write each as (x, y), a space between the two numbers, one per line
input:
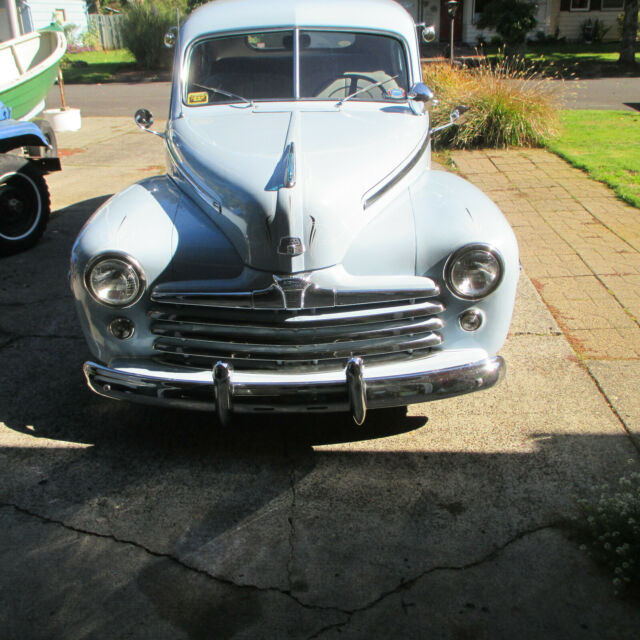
(407, 584)
(292, 526)
(167, 556)
(538, 334)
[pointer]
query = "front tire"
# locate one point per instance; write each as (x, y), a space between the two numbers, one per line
(24, 204)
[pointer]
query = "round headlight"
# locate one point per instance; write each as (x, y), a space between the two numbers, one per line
(473, 272)
(114, 281)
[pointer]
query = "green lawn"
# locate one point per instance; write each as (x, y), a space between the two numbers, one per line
(606, 144)
(574, 58)
(88, 67)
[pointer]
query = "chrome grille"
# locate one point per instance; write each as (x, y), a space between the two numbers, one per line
(199, 335)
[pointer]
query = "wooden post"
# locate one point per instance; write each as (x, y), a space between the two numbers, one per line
(61, 85)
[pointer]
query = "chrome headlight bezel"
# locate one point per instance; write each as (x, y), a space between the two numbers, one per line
(455, 257)
(129, 263)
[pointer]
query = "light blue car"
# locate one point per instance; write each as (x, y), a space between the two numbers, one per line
(300, 254)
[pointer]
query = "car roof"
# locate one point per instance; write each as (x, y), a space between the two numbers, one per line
(241, 15)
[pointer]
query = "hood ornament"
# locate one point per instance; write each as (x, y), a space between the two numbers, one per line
(290, 246)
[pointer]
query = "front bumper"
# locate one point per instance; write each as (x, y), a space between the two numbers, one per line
(355, 388)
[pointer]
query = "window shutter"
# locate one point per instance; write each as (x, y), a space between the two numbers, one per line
(565, 5)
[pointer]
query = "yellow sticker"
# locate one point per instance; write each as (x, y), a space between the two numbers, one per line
(201, 97)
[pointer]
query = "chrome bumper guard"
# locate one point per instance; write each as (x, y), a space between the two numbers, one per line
(354, 389)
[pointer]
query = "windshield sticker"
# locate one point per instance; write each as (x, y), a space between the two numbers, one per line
(397, 92)
(199, 97)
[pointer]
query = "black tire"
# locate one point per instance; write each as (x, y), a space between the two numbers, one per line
(49, 134)
(24, 204)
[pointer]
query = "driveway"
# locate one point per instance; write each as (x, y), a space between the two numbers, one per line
(447, 521)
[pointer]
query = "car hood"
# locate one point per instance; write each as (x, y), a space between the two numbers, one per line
(286, 185)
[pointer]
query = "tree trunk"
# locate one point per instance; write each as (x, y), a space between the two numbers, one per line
(629, 33)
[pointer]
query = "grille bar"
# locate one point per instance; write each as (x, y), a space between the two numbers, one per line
(222, 350)
(264, 319)
(243, 334)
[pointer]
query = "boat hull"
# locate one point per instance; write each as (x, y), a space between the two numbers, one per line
(25, 93)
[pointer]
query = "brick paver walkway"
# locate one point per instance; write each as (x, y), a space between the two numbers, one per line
(579, 244)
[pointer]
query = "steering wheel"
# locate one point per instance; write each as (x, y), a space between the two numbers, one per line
(342, 91)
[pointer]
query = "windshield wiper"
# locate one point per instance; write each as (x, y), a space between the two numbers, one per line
(369, 86)
(225, 93)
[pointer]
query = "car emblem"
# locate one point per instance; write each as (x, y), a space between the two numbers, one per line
(290, 246)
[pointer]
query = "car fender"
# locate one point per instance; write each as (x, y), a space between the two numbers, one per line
(450, 213)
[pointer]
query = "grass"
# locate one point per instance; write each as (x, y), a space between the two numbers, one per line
(572, 58)
(508, 105)
(88, 67)
(606, 144)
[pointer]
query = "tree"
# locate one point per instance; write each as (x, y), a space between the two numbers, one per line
(512, 19)
(629, 33)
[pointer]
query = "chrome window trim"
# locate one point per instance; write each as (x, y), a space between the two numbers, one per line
(470, 247)
(186, 59)
(118, 255)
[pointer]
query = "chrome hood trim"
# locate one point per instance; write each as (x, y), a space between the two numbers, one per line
(292, 176)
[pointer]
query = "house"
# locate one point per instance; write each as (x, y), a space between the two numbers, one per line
(561, 17)
(31, 15)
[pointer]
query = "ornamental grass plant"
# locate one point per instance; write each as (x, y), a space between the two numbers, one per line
(510, 105)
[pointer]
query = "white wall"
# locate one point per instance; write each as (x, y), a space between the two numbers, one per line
(42, 12)
(570, 23)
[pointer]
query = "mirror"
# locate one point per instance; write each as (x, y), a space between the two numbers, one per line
(429, 33)
(420, 98)
(143, 118)
(171, 37)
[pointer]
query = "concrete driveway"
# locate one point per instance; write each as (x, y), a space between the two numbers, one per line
(449, 521)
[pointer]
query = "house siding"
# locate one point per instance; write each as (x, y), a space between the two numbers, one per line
(43, 11)
(569, 23)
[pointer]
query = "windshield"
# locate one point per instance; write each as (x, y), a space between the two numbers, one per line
(333, 65)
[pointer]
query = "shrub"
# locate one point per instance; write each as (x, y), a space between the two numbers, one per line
(508, 105)
(512, 19)
(143, 31)
(610, 531)
(593, 30)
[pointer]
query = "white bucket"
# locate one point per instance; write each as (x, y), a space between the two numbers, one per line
(63, 120)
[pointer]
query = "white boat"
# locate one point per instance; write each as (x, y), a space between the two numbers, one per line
(28, 69)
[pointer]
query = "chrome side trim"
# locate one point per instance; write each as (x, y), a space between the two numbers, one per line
(182, 173)
(357, 390)
(394, 179)
(258, 392)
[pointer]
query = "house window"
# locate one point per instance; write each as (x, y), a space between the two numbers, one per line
(580, 5)
(612, 5)
(478, 8)
(60, 16)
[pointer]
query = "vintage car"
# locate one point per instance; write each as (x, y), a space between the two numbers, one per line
(300, 254)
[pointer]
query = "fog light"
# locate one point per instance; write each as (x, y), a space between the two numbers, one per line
(121, 328)
(471, 320)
